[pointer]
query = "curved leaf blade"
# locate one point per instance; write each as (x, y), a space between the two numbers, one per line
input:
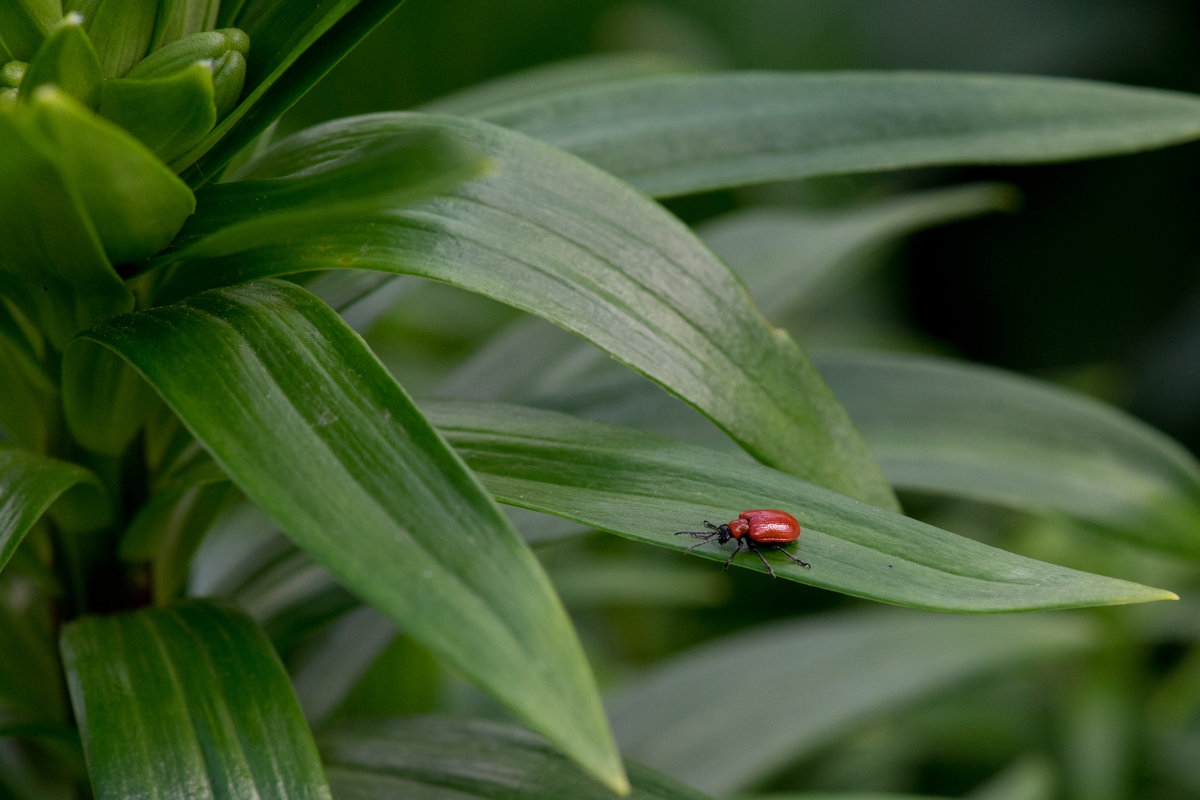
(30, 484)
(970, 431)
(549, 234)
(568, 75)
(646, 487)
(442, 759)
(187, 701)
(293, 44)
(308, 424)
(827, 675)
(680, 134)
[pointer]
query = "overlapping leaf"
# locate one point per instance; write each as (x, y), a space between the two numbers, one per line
(187, 701)
(647, 487)
(31, 483)
(678, 134)
(309, 425)
(293, 44)
(549, 234)
(970, 431)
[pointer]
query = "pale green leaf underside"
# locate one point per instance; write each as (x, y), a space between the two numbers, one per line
(187, 701)
(549, 234)
(647, 487)
(782, 690)
(969, 431)
(787, 257)
(936, 425)
(679, 134)
(428, 758)
(30, 484)
(309, 425)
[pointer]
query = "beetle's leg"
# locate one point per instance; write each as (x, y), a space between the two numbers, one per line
(729, 560)
(793, 558)
(754, 549)
(704, 536)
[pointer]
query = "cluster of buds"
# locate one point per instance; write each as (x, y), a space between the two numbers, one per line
(156, 69)
(102, 104)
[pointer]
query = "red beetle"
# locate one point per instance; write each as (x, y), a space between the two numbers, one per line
(758, 530)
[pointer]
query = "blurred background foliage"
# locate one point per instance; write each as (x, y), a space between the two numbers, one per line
(1092, 282)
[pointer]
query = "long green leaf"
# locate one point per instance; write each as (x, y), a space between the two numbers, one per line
(970, 431)
(547, 233)
(30, 484)
(187, 701)
(293, 43)
(938, 426)
(678, 134)
(570, 75)
(646, 487)
(786, 257)
(427, 758)
(309, 425)
(781, 690)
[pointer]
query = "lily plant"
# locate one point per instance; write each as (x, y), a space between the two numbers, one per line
(181, 301)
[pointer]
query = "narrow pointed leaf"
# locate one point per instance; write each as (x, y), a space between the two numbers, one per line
(570, 75)
(827, 675)
(427, 758)
(389, 173)
(310, 426)
(549, 234)
(293, 43)
(785, 256)
(187, 701)
(30, 484)
(678, 134)
(646, 487)
(970, 431)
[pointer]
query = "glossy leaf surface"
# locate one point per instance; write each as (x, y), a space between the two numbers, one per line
(647, 487)
(679, 134)
(549, 234)
(187, 701)
(309, 425)
(293, 43)
(29, 485)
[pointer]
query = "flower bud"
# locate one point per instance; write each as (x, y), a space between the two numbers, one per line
(182, 53)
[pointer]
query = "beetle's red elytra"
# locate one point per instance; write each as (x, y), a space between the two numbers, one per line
(756, 530)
